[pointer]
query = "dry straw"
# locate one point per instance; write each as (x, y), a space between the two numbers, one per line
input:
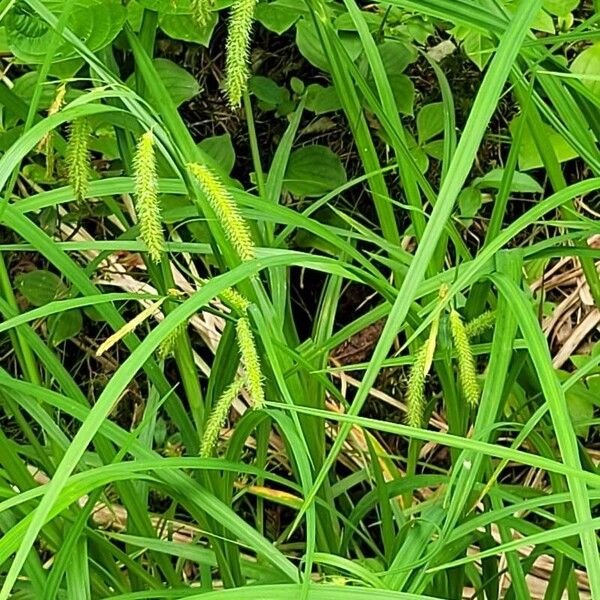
(147, 202)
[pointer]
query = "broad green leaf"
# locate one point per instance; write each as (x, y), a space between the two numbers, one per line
(581, 407)
(135, 15)
(521, 182)
(181, 85)
(221, 149)
(478, 48)
(587, 64)
(395, 57)
(469, 202)
(542, 22)
(41, 287)
(95, 22)
(167, 7)
(529, 157)
(345, 22)
(64, 326)
(435, 149)
(314, 171)
(418, 153)
(560, 7)
(183, 27)
(25, 86)
(430, 121)
(280, 15)
(266, 90)
(310, 46)
(404, 92)
(322, 99)
(37, 173)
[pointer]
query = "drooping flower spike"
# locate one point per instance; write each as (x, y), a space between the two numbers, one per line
(218, 416)
(467, 373)
(201, 11)
(147, 201)
(238, 50)
(78, 157)
(227, 211)
(251, 361)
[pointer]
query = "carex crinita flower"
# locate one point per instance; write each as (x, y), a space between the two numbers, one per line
(226, 209)
(147, 202)
(238, 50)
(415, 393)
(167, 346)
(466, 363)
(251, 361)
(236, 301)
(201, 11)
(218, 416)
(481, 324)
(78, 157)
(46, 144)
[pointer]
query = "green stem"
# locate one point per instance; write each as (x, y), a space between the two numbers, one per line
(258, 170)
(24, 353)
(184, 357)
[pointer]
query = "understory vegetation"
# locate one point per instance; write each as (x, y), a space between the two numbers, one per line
(299, 299)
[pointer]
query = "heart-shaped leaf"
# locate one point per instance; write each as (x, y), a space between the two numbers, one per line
(314, 171)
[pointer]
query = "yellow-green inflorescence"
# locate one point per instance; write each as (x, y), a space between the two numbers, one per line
(169, 344)
(201, 11)
(251, 361)
(466, 362)
(481, 324)
(227, 211)
(78, 157)
(238, 50)
(147, 201)
(238, 302)
(46, 144)
(415, 394)
(218, 416)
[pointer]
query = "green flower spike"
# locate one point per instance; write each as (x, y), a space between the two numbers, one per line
(78, 157)
(218, 416)
(201, 11)
(251, 362)
(415, 394)
(147, 202)
(466, 362)
(238, 50)
(227, 211)
(481, 324)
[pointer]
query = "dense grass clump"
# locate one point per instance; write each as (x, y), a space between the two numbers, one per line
(300, 299)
